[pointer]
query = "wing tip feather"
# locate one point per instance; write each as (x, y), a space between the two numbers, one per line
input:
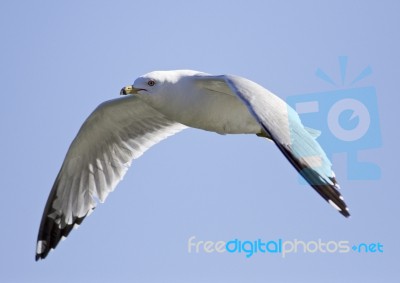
(51, 234)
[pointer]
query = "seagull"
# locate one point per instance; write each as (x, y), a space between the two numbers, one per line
(158, 105)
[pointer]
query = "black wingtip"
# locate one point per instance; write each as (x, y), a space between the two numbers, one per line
(51, 231)
(345, 212)
(327, 190)
(51, 234)
(40, 256)
(330, 193)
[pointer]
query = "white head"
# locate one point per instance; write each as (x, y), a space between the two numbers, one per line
(157, 83)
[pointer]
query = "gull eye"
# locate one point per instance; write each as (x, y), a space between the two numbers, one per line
(151, 83)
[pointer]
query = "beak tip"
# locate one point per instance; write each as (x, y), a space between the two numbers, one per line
(127, 90)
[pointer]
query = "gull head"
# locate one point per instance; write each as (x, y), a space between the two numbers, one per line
(142, 86)
(157, 82)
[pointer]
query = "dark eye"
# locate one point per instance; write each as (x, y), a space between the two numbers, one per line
(151, 83)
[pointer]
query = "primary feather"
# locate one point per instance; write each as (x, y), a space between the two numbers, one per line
(117, 132)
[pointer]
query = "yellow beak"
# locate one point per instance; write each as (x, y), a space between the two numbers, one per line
(128, 90)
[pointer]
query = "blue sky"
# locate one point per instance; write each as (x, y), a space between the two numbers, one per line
(59, 60)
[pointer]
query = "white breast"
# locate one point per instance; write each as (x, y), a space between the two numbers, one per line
(207, 109)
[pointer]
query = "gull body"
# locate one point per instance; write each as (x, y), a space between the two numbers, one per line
(158, 105)
(185, 96)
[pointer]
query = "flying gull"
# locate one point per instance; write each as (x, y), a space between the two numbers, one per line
(158, 105)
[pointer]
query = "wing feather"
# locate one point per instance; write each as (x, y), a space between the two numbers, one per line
(117, 132)
(280, 122)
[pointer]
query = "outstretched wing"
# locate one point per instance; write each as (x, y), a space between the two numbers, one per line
(281, 123)
(117, 132)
